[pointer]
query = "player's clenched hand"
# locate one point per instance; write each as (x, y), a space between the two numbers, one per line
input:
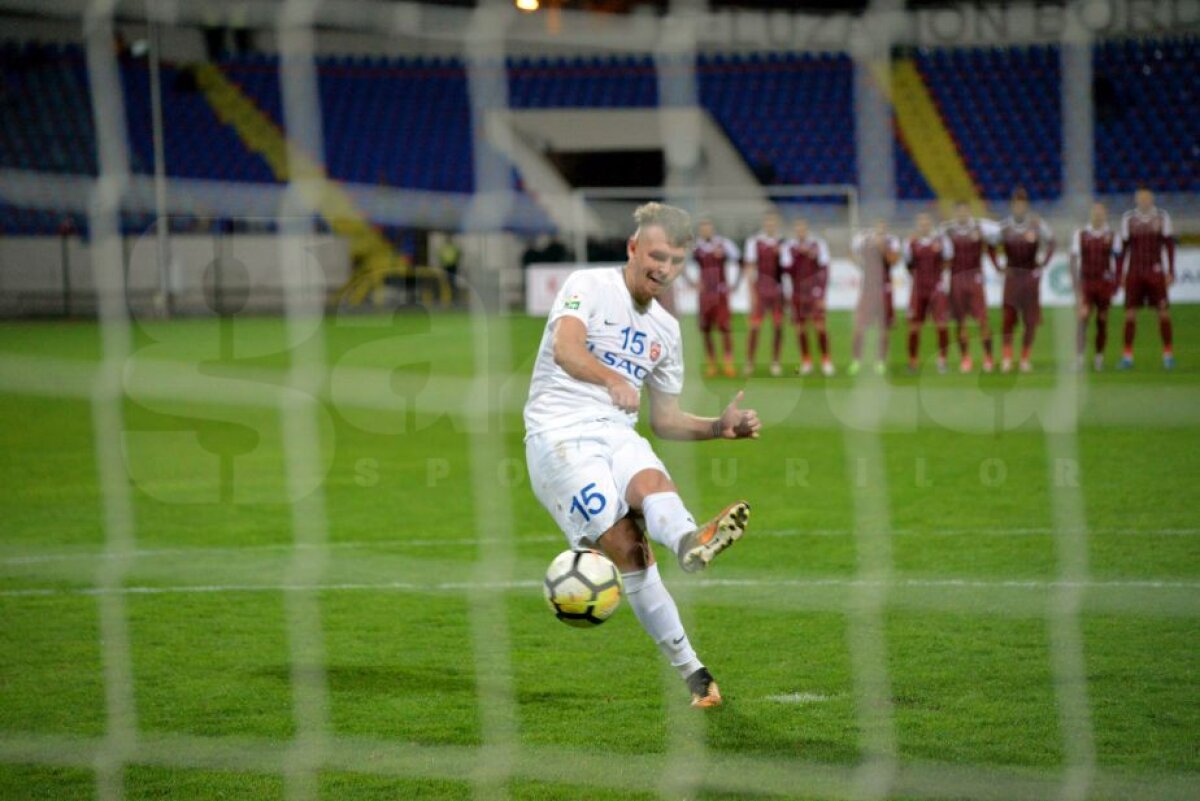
(736, 423)
(623, 395)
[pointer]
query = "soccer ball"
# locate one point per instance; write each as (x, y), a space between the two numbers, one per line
(583, 588)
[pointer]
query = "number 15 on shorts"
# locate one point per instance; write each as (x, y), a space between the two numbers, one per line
(588, 502)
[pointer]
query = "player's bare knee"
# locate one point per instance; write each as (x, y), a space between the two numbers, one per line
(647, 482)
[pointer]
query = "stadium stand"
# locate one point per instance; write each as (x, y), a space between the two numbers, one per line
(1147, 96)
(773, 106)
(405, 121)
(1002, 107)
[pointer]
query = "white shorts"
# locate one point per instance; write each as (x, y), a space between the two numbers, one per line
(580, 474)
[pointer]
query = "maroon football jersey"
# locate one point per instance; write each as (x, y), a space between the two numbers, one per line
(805, 261)
(1144, 237)
(1022, 240)
(764, 252)
(969, 244)
(1094, 248)
(712, 255)
(926, 260)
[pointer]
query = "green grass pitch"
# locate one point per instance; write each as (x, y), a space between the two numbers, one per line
(971, 485)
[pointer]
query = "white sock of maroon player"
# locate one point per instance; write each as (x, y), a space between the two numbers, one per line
(752, 345)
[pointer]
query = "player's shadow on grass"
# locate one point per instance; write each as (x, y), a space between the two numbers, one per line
(384, 679)
(737, 729)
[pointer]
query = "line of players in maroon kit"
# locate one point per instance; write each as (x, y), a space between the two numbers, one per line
(946, 266)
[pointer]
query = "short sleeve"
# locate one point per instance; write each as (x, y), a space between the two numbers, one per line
(751, 253)
(1076, 245)
(856, 245)
(947, 247)
(822, 253)
(579, 296)
(785, 254)
(667, 375)
(990, 230)
(731, 251)
(1118, 246)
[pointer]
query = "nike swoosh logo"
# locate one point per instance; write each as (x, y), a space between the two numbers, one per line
(609, 322)
(681, 639)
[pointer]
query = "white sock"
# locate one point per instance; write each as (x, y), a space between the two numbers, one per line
(667, 520)
(656, 611)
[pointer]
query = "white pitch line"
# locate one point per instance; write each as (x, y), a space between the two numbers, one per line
(149, 553)
(448, 586)
(798, 698)
(401, 542)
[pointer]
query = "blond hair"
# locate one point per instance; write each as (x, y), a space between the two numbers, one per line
(675, 222)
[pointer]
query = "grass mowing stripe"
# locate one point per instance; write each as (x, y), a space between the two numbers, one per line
(464, 586)
(786, 776)
(37, 557)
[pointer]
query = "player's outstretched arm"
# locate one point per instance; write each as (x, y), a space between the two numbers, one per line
(994, 255)
(572, 355)
(668, 421)
(1051, 244)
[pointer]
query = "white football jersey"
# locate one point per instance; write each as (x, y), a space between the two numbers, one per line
(643, 347)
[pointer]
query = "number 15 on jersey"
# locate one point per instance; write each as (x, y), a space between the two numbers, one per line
(588, 502)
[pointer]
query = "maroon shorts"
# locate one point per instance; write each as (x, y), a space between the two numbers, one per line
(967, 297)
(1146, 290)
(875, 308)
(714, 311)
(764, 300)
(1097, 294)
(922, 305)
(808, 301)
(1021, 294)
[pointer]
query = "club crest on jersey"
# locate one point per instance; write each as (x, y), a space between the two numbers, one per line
(572, 302)
(655, 351)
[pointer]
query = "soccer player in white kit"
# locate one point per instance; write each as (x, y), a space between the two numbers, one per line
(606, 337)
